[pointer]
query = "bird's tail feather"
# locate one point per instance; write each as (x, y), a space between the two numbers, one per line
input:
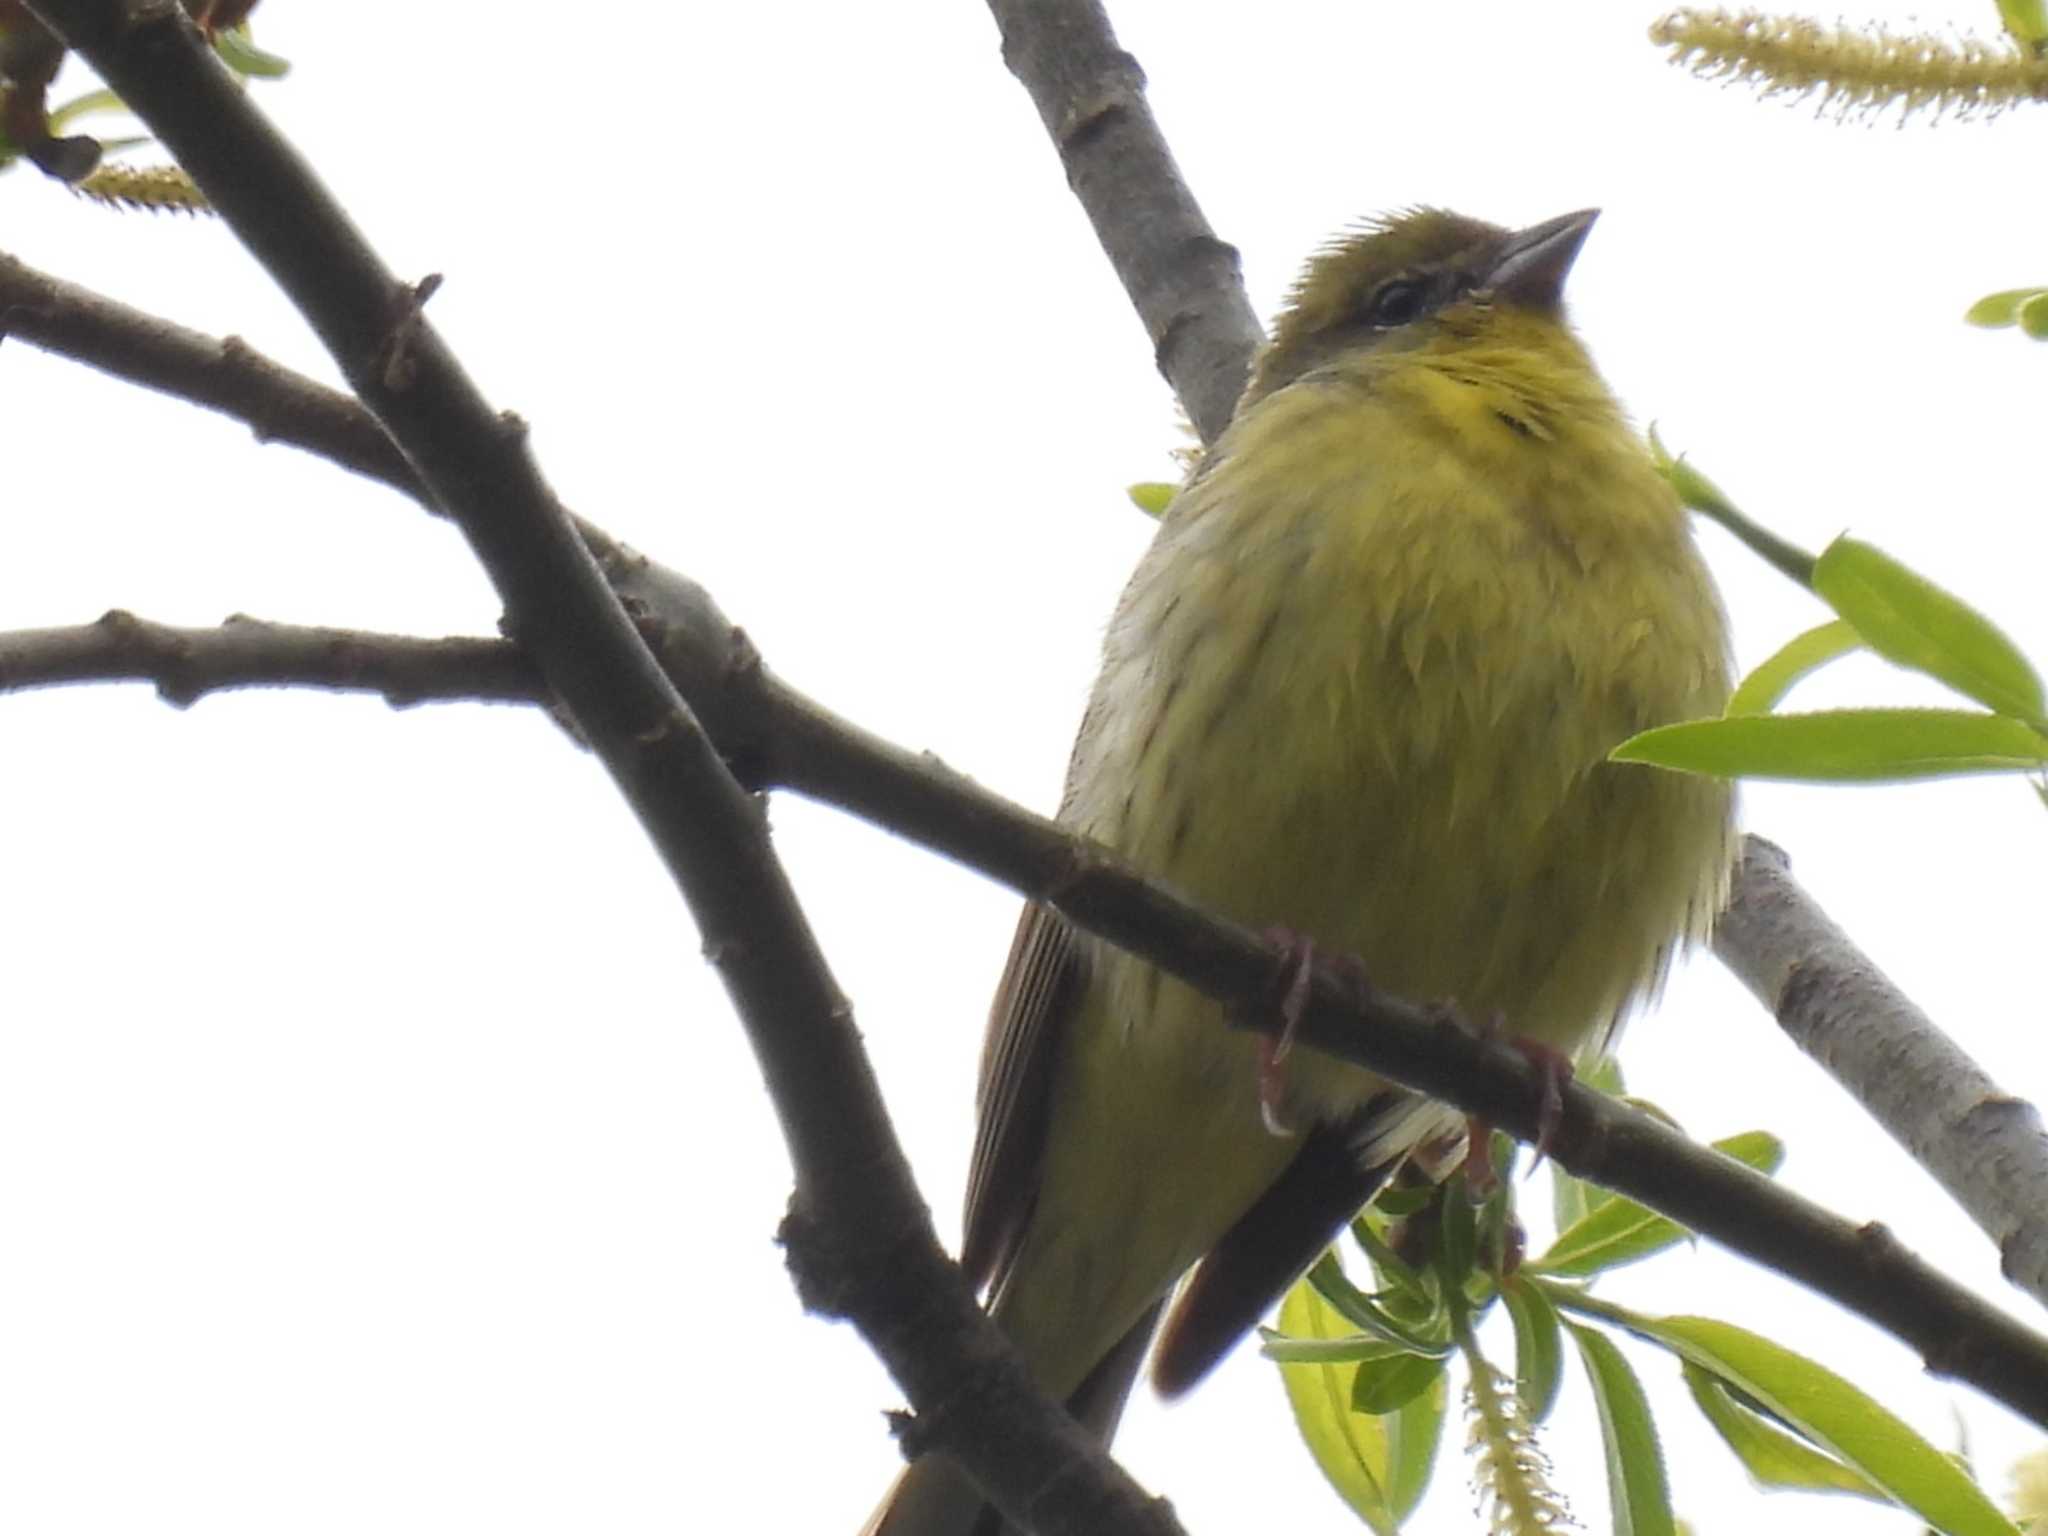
(1339, 1167)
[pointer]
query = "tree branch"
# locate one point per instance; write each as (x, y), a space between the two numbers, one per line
(224, 373)
(706, 828)
(186, 664)
(774, 736)
(1985, 1147)
(1183, 281)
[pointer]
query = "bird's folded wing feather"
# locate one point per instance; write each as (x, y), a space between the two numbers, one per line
(1028, 1025)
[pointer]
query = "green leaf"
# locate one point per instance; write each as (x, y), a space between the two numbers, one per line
(1843, 745)
(1328, 1280)
(84, 106)
(1908, 619)
(240, 53)
(1636, 1484)
(1406, 1288)
(1653, 1109)
(1381, 1386)
(1391, 1269)
(2034, 317)
(1760, 692)
(1152, 497)
(1605, 1077)
(1396, 1201)
(1997, 310)
(1770, 1455)
(1621, 1231)
(1572, 1198)
(1353, 1451)
(2026, 21)
(1758, 1149)
(1414, 1433)
(1836, 1416)
(1539, 1347)
(1349, 1349)
(1379, 1466)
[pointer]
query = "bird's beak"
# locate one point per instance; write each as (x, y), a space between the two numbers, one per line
(1533, 263)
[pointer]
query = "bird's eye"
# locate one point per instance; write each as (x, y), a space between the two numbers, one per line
(1396, 303)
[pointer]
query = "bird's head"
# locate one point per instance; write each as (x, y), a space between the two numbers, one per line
(1423, 280)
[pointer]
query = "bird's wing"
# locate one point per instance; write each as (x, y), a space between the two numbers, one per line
(1339, 1167)
(1028, 1023)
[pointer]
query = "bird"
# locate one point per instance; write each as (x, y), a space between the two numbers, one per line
(1359, 690)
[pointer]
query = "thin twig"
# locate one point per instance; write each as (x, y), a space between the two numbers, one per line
(223, 373)
(185, 664)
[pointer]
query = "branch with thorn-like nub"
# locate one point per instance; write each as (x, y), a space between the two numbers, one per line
(855, 1198)
(773, 736)
(186, 664)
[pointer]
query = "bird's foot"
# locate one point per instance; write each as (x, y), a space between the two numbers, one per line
(1293, 976)
(1553, 1070)
(1291, 980)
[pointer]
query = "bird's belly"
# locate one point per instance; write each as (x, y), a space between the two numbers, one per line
(1424, 787)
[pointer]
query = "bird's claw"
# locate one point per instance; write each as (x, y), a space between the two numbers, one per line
(1294, 976)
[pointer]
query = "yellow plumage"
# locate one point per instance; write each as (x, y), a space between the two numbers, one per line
(1361, 686)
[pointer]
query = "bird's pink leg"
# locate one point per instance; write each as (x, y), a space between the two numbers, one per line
(1296, 970)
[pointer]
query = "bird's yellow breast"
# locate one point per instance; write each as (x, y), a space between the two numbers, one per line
(1365, 680)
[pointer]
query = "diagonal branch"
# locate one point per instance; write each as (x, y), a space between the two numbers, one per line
(773, 735)
(1985, 1146)
(705, 827)
(223, 373)
(1183, 281)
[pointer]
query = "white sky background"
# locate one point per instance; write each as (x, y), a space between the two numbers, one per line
(376, 1151)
